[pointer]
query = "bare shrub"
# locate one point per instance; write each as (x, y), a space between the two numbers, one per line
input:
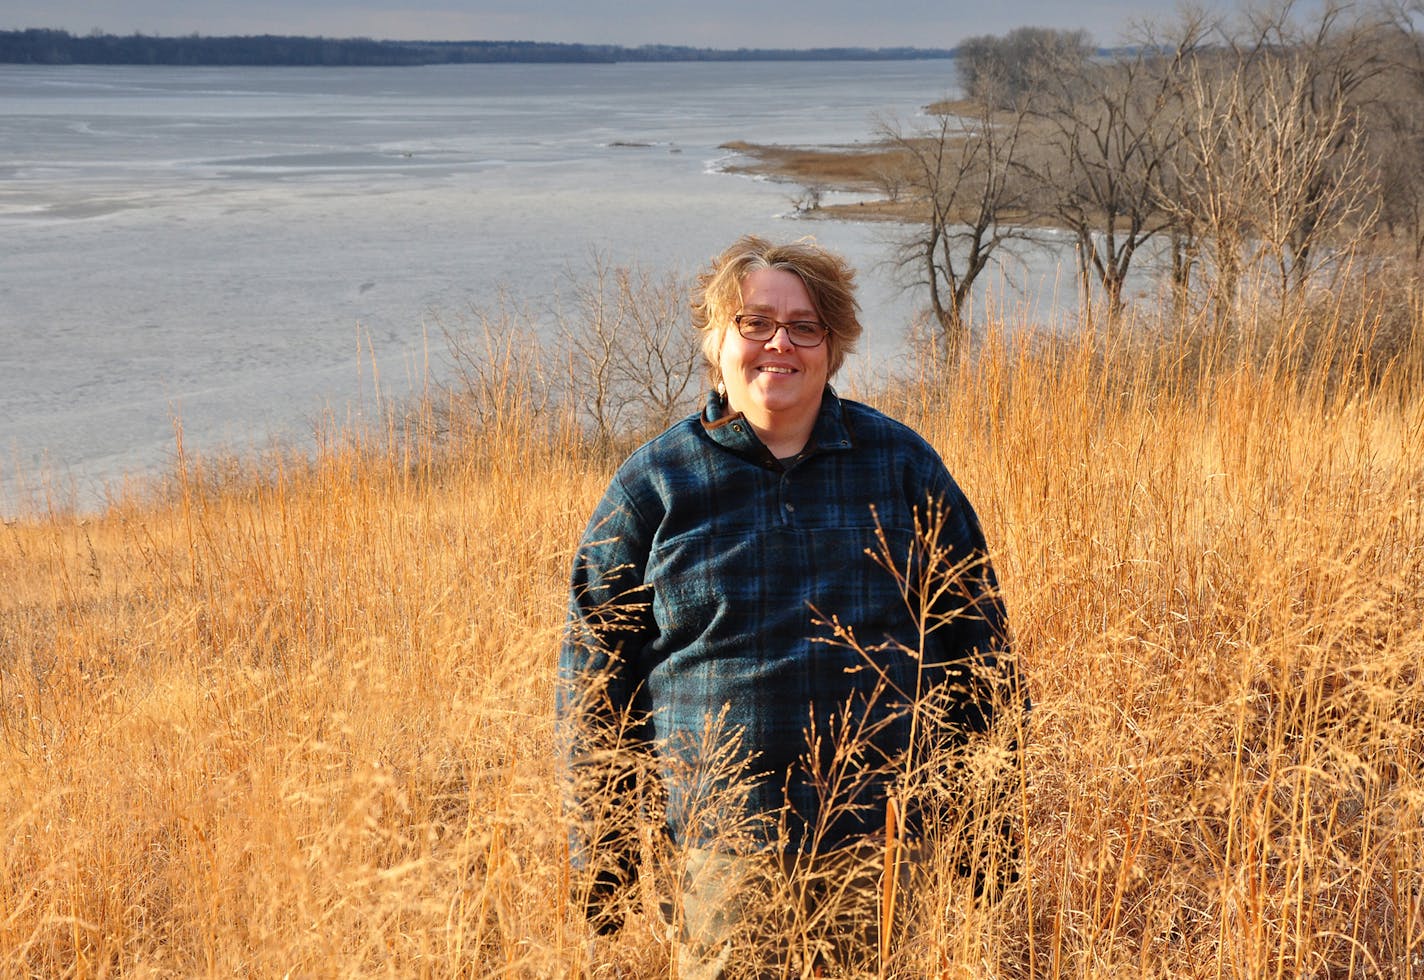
(496, 363)
(626, 352)
(615, 357)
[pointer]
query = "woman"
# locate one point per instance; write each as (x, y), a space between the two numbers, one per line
(783, 624)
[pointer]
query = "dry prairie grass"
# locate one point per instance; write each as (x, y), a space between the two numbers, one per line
(300, 724)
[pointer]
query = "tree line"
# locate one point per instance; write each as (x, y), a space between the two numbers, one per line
(1270, 156)
(55, 47)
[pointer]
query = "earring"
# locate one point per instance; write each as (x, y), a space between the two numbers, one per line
(721, 389)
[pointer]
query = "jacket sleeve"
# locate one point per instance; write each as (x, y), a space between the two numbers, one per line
(967, 616)
(601, 731)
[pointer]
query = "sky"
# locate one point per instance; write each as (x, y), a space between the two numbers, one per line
(705, 23)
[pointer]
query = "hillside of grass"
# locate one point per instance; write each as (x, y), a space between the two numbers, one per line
(295, 717)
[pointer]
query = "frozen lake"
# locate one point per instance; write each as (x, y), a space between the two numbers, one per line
(215, 244)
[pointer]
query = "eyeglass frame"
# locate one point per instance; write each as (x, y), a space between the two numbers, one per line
(778, 325)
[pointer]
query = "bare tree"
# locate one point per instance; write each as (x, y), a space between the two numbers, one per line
(1205, 191)
(1002, 71)
(1397, 133)
(961, 171)
(1398, 149)
(1312, 91)
(1108, 129)
(1272, 175)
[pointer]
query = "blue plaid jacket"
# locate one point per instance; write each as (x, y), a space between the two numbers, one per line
(729, 619)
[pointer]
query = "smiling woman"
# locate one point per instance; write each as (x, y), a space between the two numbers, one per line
(714, 601)
(775, 382)
(777, 323)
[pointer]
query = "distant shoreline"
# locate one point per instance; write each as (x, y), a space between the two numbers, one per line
(39, 46)
(852, 168)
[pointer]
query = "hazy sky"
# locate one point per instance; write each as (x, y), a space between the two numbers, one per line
(708, 23)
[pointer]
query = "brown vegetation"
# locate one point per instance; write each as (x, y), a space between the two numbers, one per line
(1266, 155)
(298, 721)
(860, 168)
(849, 167)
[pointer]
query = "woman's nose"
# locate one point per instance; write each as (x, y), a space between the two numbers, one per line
(781, 340)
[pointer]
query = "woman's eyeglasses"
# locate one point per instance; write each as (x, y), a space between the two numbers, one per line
(803, 333)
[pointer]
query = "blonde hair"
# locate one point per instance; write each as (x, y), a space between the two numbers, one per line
(828, 278)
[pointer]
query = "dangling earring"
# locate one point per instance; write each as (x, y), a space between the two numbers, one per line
(721, 389)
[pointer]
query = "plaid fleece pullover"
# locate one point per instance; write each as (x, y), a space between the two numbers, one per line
(733, 607)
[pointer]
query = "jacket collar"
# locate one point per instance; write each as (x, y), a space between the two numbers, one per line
(734, 433)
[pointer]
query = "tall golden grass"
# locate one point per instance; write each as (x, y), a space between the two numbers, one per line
(298, 721)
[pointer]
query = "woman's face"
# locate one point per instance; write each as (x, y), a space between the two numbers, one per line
(768, 378)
